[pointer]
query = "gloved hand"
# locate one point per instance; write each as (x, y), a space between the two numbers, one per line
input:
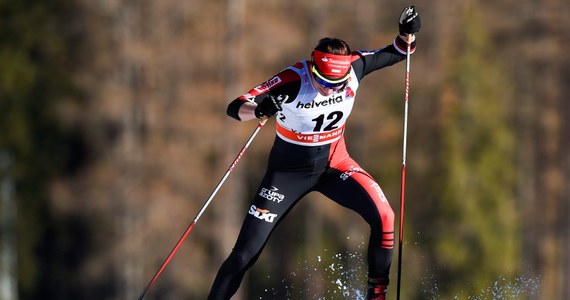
(270, 106)
(409, 22)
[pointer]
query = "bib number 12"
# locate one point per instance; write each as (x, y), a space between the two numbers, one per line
(334, 117)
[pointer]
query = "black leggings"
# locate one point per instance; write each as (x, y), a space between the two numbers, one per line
(290, 176)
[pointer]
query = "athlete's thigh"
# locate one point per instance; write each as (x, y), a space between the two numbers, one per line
(351, 186)
(276, 195)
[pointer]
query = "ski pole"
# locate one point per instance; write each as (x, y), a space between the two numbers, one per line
(191, 226)
(403, 182)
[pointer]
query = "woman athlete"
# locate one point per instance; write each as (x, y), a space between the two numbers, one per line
(311, 101)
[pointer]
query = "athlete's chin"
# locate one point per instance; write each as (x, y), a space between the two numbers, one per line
(325, 92)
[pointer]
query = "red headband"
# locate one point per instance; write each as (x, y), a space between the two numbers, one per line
(331, 66)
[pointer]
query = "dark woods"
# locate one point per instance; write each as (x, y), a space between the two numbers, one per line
(113, 133)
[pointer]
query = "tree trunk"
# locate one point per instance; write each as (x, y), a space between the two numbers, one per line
(8, 252)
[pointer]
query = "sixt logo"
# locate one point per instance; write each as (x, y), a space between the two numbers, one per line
(262, 214)
(271, 194)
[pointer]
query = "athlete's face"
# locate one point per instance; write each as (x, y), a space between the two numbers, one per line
(325, 90)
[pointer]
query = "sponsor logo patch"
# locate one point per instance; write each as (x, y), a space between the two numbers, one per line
(378, 190)
(330, 101)
(351, 170)
(262, 214)
(266, 86)
(271, 194)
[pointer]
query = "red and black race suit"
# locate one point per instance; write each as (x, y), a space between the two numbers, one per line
(309, 154)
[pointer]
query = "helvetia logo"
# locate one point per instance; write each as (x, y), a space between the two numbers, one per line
(262, 214)
(313, 104)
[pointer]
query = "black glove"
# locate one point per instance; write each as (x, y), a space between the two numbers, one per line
(409, 22)
(270, 106)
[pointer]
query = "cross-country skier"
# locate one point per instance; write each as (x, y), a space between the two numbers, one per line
(312, 101)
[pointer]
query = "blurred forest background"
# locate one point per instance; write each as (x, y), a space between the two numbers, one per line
(113, 133)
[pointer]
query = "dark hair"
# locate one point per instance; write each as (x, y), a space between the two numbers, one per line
(333, 46)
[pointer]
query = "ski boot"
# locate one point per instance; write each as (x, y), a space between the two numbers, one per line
(377, 288)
